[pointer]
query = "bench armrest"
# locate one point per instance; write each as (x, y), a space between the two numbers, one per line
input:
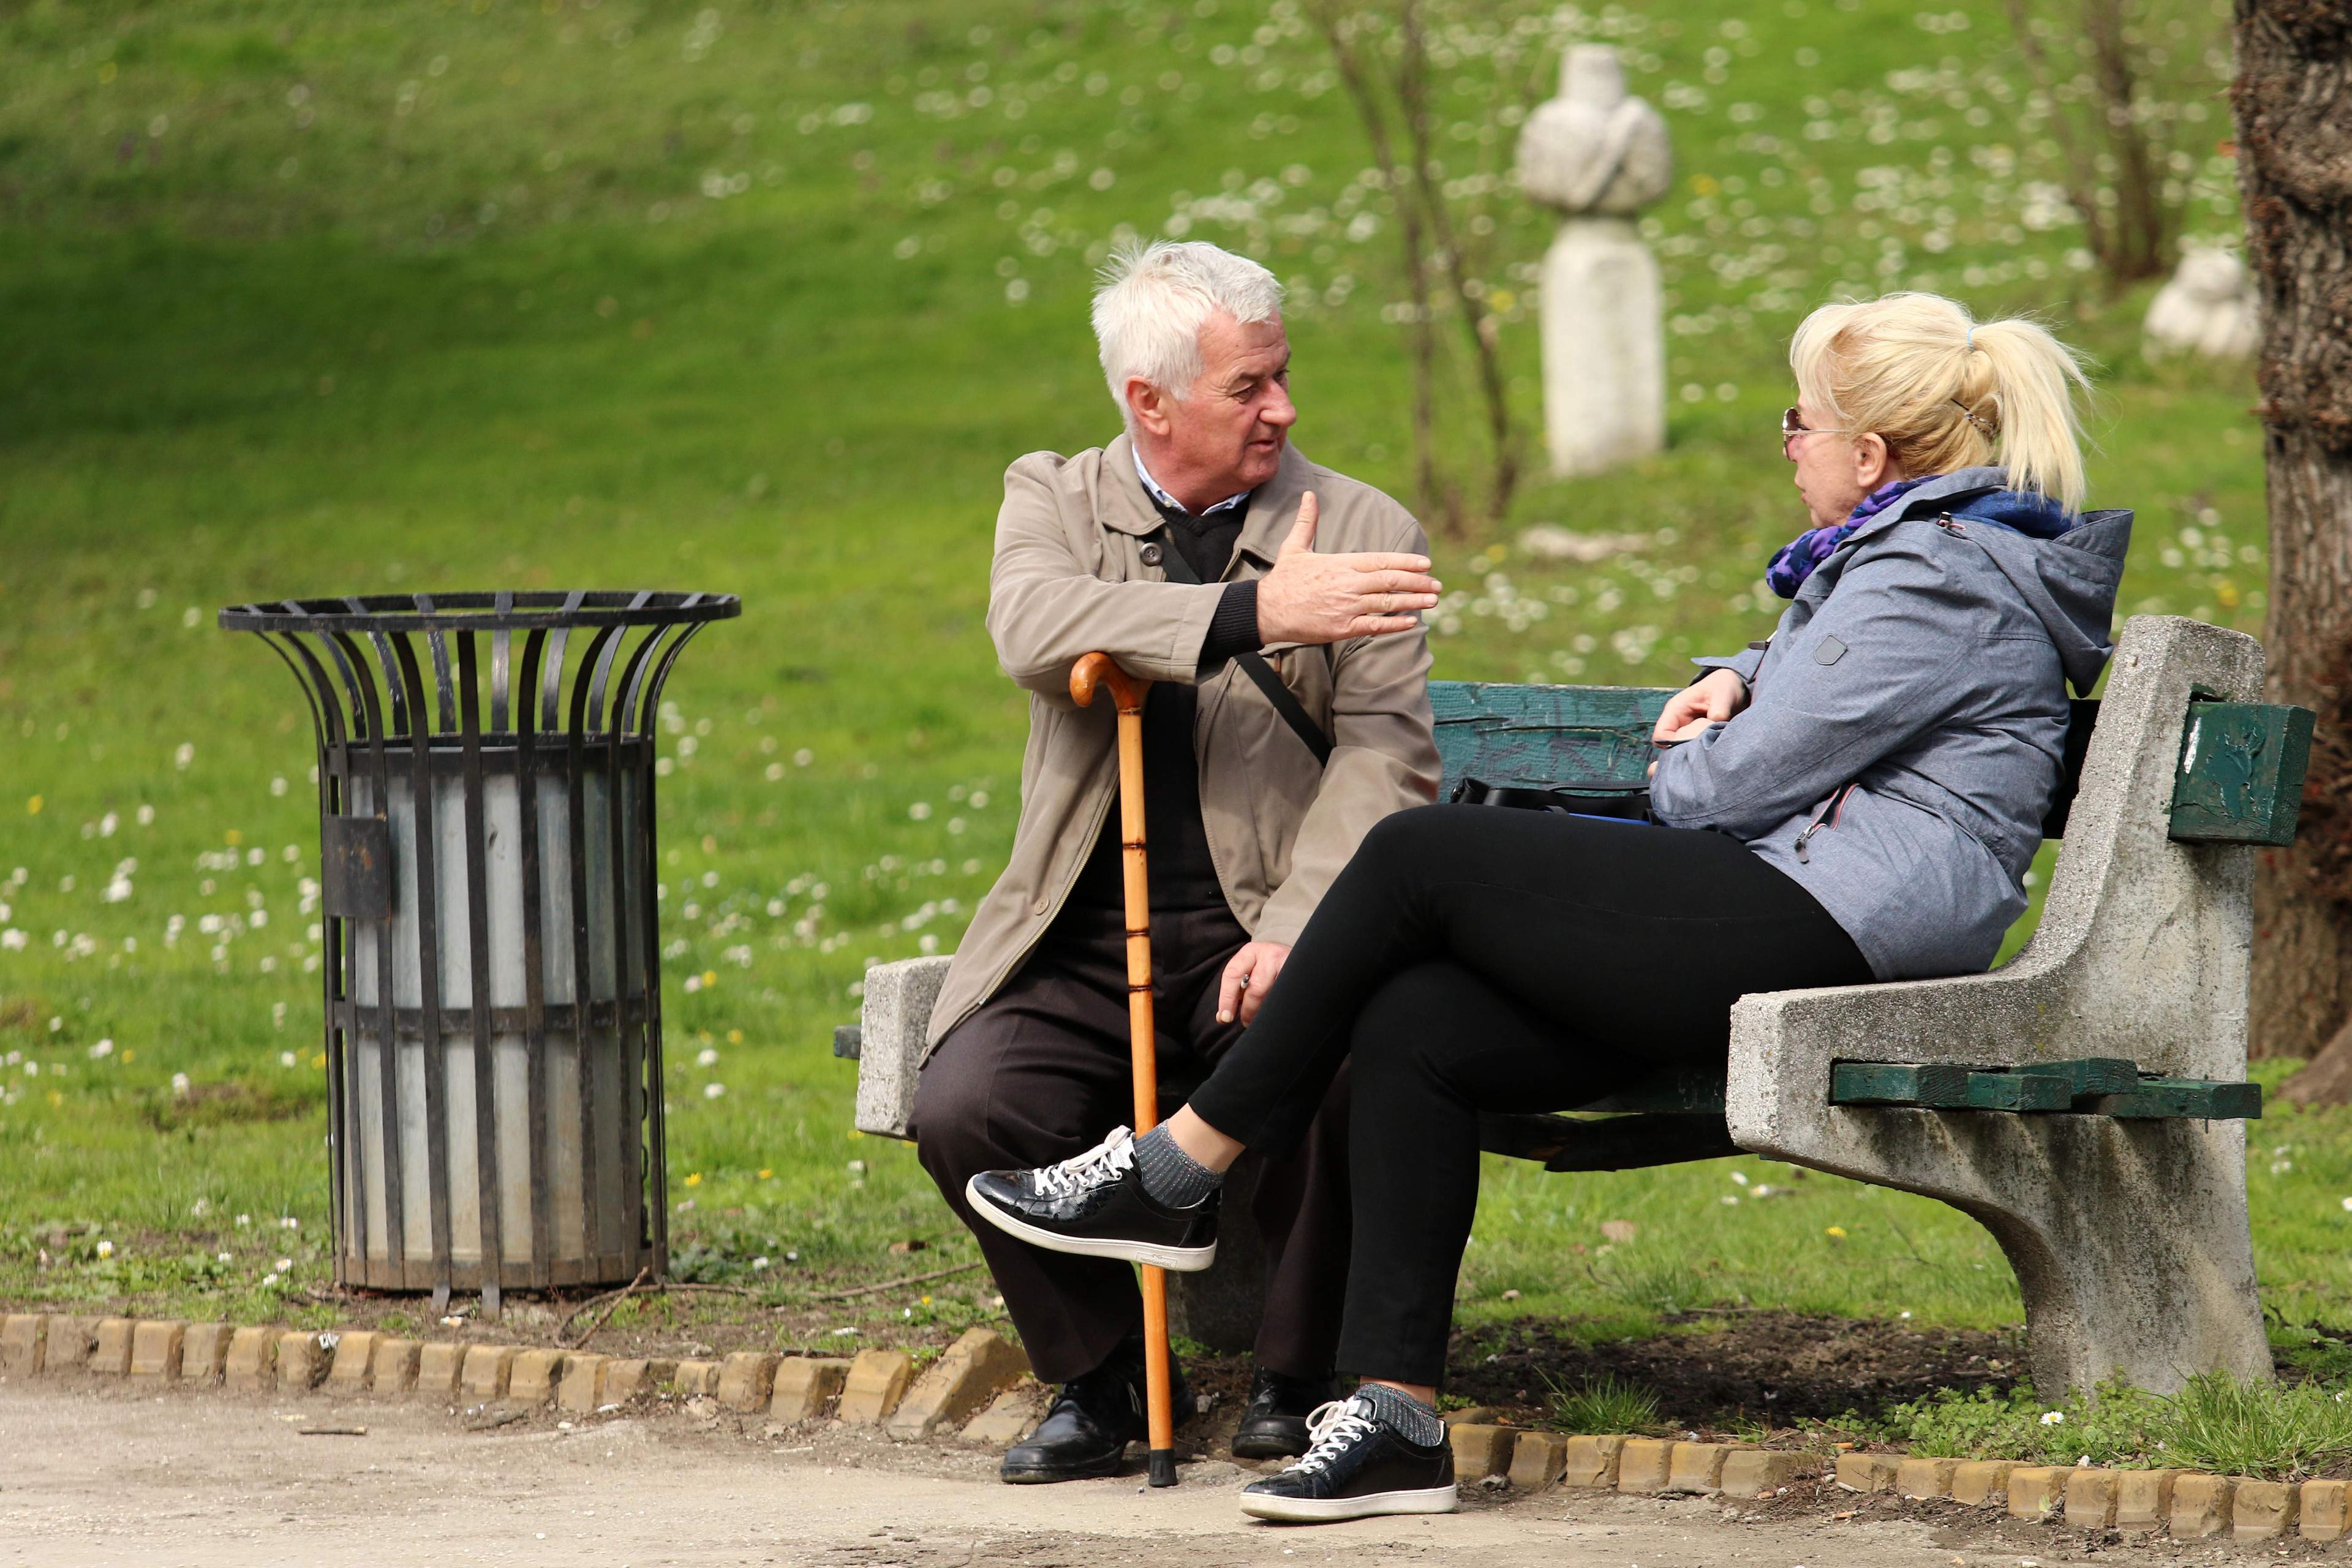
(895, 1019)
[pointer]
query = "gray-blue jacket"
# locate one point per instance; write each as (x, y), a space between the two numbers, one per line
(1908, 723)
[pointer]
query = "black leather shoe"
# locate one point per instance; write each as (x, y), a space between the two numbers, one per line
(1274, 1424)
(1358, 1467)
(1094, 1206)
(1093, 1419)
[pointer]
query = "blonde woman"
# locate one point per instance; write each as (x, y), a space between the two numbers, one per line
(1857, 799)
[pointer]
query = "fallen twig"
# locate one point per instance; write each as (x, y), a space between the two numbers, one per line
(633, 1288)
(615, 1297)
(894, 1284)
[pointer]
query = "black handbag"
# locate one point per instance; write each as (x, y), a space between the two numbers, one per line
(1620, 802)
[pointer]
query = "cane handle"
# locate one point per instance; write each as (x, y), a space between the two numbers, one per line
(1097, 670)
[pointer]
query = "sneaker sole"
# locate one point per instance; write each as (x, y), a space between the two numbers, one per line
(1175, 1260)
(1329, 1510)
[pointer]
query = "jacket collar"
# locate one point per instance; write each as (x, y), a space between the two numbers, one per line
(1935, 496)
(1266, 521)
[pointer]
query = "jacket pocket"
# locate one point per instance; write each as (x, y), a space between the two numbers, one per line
(1827, 817)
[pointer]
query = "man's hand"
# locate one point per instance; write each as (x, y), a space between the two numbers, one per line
(1311, 598)
(1690, 711)
(1249, 975)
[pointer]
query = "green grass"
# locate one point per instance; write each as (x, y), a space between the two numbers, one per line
(2285, 1430)
(331, 298)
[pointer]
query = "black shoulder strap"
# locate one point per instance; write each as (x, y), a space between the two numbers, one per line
(1293, 713)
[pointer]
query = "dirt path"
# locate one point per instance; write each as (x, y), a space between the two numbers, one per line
(105, 1476)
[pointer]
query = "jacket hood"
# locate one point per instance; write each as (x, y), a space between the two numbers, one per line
(2066, 569)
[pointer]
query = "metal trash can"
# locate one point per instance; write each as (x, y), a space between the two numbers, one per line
(493, 962)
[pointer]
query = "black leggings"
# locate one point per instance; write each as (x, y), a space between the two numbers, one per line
(1475, 959)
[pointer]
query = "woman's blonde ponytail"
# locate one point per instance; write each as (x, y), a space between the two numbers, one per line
(1946, 392)
(2031, 382)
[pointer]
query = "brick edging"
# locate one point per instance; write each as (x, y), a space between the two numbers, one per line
(970, 1387)
(2191, 1504)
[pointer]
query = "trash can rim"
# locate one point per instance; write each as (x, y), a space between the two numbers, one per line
(520, 610)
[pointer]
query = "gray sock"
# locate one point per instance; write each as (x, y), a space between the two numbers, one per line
(1416, 1421)
(1170, 1175)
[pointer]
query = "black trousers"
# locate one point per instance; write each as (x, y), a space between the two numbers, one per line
(1041, 1072)
(1475, 959)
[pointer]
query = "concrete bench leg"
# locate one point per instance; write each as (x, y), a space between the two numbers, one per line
(2130, 1239)
(1221, 1306)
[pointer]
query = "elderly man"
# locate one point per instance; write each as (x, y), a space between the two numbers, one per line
(1275, 605)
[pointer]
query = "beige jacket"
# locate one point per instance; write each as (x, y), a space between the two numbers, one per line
(1070, 580)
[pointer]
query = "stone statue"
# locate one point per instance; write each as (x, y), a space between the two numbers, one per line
(2208, 309)
(1599, 156)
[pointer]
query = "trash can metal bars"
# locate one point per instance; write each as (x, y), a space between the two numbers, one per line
(492, 1007)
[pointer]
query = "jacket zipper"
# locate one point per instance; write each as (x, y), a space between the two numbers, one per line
(1829, 808)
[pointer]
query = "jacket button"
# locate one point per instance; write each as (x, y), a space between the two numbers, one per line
(1041, 906)
(1152, 555)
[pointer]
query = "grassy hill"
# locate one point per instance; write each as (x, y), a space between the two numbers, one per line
(760, 298)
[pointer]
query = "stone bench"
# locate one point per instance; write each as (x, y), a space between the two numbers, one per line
(2120, 1203)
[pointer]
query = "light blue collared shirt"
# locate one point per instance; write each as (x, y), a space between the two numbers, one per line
(1152, 487)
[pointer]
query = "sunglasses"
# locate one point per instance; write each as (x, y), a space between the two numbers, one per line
(1793, 426)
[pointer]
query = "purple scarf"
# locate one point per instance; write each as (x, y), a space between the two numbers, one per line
(1797, 559)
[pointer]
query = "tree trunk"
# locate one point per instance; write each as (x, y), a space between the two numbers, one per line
(2141, 233)
(2293, 100)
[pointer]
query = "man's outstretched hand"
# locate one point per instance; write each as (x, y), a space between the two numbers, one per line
(1249, 975)
(1311, 598)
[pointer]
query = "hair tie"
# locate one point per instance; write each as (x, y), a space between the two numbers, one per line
(1972, 340)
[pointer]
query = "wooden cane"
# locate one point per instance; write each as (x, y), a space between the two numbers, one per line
(1088, 676)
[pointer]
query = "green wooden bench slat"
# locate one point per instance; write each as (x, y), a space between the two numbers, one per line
(1538, 736)
(2179, 1099)
(1931, 1085)
(2088, 1075)
(1671, 1091)
(2019, 1092)
(2241, 774)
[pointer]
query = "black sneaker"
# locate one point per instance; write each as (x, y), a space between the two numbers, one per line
(1095, 1205)
(1358, 1467)
(1093, 1419)
(1274, 1424)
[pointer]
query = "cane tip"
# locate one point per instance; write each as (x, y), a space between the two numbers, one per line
(1163, 1467)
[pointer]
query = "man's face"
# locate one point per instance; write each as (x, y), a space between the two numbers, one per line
(1237, 415)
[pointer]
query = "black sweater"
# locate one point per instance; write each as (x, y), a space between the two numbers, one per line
(1177, 847)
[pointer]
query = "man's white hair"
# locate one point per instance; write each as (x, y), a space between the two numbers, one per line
(1152, 299)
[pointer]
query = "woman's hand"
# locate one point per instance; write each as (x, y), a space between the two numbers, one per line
(1690, 711)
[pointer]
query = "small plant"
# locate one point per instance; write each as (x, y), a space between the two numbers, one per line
(2113, 1425)
(1605, 1404)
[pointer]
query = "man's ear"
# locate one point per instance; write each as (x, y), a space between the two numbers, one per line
(1147, 405)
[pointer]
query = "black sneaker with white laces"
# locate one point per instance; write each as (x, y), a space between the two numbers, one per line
(1094, 1205)
(1358, 1467)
